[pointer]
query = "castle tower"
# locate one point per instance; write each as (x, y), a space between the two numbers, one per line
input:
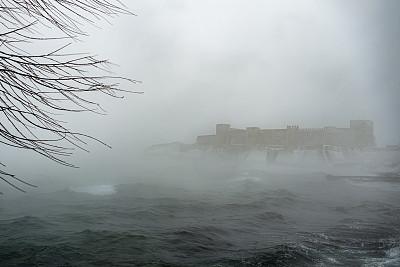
(363, 133)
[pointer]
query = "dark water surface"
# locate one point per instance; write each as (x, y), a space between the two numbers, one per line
(244, 216)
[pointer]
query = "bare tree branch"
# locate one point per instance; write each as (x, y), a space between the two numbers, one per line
(34, 86)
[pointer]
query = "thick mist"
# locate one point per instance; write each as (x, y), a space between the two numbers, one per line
(304, 185)
(266, 63)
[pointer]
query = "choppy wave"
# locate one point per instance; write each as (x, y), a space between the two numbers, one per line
(273, 221)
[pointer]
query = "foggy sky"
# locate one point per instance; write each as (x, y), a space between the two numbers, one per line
(257, 63)
(247, 63)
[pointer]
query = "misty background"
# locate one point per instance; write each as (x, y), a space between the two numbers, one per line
(247, 63)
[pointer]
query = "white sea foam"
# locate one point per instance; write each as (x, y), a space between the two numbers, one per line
(393, 252)
(98, 190)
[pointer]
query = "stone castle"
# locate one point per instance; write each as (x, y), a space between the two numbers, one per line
(360, 134)
(312, 147)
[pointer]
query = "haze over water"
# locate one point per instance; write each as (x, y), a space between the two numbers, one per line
(215, 212)
(266, 64)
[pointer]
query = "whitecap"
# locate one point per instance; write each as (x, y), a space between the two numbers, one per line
(393, 252)
(97, 190)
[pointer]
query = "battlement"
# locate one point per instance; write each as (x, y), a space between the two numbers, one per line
(311, 130)
(293, 127)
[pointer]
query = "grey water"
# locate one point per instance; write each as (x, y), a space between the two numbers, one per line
(200, 214)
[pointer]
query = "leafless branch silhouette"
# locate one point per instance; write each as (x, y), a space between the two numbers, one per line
(35, 86)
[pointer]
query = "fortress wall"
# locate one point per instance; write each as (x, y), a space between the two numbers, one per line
(343, 137)
(236, 137)
(308, 137)
(273, 137)
(252, 136)
(359, 135)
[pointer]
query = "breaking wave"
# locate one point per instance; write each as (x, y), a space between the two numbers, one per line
(97, 190)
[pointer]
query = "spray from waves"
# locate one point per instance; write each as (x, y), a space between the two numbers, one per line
(96, 190)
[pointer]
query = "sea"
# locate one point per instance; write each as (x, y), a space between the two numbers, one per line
(205, 213)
